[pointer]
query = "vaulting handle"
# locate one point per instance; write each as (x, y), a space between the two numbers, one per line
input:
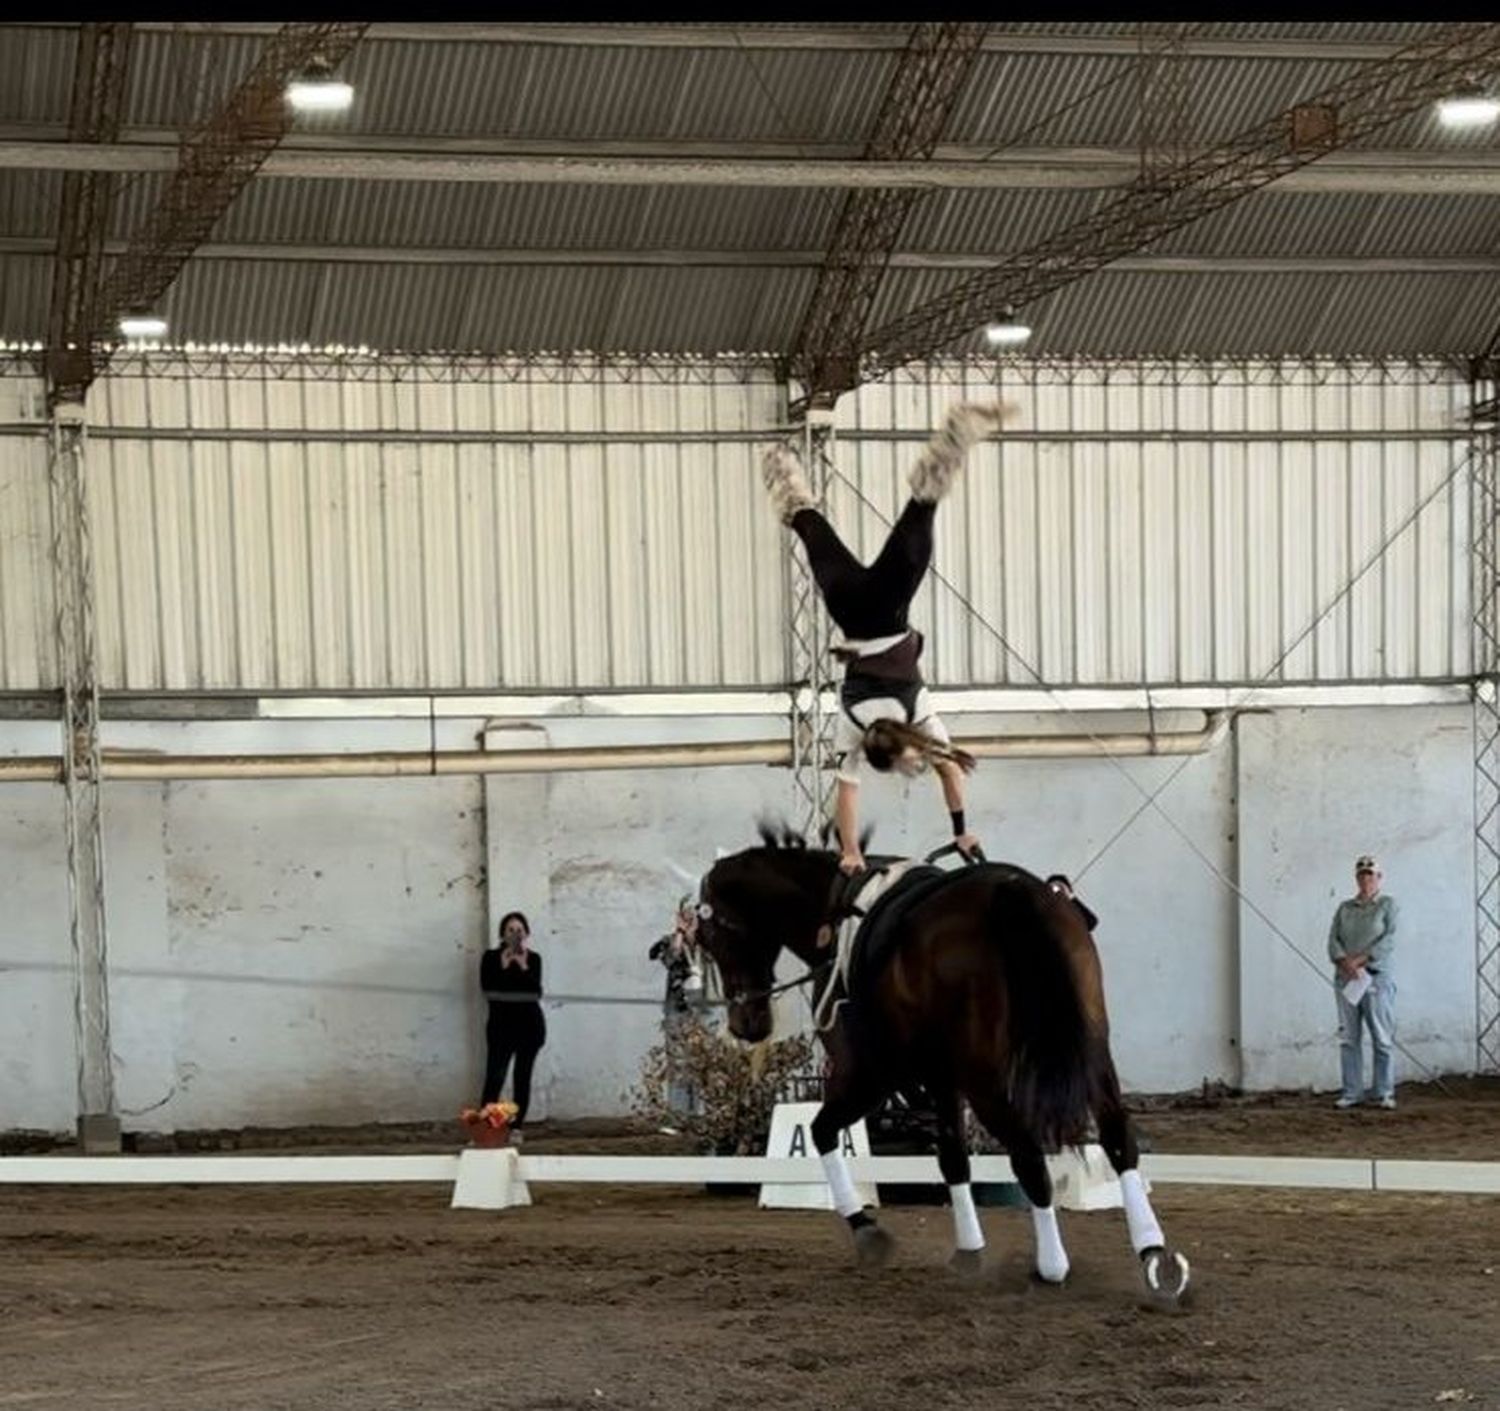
(972, 858)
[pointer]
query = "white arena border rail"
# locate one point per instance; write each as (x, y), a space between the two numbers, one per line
(1327, 1173)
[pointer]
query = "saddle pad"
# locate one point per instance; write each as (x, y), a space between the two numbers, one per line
(879, 931)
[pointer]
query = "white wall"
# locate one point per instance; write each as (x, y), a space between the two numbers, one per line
(1317, 788)
(292, 952)
(37, 1073)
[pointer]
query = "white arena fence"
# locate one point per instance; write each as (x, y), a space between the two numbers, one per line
(1326, 1173)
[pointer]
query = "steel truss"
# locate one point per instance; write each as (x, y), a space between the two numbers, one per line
(929, 78)
(1370, 98)
(325, 365)
(73, 586)
(808, 639)
(1484, 511)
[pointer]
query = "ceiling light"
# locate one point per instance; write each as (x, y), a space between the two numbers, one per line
(1007, 331)
(1470, 106)
(143, 324)
(316, 90)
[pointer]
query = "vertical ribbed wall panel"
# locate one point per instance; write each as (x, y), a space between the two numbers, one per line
(28, 630)
(1186, 524)
(1156, 523)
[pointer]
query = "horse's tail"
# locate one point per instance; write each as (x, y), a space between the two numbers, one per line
(1052, 1072)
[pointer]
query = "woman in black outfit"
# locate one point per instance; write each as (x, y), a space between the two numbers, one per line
(511, 977)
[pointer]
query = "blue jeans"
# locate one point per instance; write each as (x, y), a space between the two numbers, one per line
(1377, 1010)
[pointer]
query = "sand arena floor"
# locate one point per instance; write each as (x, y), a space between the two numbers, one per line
(380, 1297)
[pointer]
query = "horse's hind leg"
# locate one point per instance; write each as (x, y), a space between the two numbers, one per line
(1030, 1166)
(953, 1162)
(1165, 1272)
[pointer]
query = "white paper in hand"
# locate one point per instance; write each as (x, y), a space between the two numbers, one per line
(1358, 987)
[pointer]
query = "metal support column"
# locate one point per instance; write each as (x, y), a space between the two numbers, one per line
(73, 585)
(1484, 529)
(812, 720)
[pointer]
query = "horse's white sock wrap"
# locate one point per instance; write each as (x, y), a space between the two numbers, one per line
(845, 1198)
(966, 1231)
(1051, 1257)
(1145, 1233)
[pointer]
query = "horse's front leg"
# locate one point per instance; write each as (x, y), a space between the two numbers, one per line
(1165, 1270)
(953, 1162)
(851, 1093)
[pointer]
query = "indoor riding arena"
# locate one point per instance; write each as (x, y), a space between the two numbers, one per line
(749, 714)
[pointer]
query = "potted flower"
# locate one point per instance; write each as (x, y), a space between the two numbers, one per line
(489, 1125)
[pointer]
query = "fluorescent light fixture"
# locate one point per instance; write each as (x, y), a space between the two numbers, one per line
(316, 90)
(1471, 106)
(143, 325)
(1007, 331)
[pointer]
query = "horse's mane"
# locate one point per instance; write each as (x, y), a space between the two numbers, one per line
(779, 835)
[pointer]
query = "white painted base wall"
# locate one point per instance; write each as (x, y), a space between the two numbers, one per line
(307, 951)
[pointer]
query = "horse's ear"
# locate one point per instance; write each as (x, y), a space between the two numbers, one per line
(866, 834)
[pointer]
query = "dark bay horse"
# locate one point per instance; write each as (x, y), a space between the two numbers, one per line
(991, 992)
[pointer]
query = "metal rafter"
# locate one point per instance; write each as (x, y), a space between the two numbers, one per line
(1164, 101)
(94, 117)
(1369, 99)
(215, 162)
(913, 115)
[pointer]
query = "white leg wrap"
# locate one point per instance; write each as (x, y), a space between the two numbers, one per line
(966, 1231)
(845, 1198)
(1051, 1257)
(1145, 1232)
(942, 458)
(786, 482)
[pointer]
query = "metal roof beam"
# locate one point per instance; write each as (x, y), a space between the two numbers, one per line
(580, 257)
(214, 163)
(836, 38)
(99, 71)
(1474, 171)
(1364, 102)
(915, 109)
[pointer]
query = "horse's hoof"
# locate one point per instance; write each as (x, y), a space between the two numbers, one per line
(872, 1246)
(967, 1263)
(1053, 1275)
(1166, 1273)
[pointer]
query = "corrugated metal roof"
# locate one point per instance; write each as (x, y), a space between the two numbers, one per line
(487, 217)
(799, 98)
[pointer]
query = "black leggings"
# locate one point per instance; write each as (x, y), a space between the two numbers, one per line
(869, 602)
(518, 1034)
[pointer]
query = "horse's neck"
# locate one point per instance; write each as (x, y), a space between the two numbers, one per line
(815, 880)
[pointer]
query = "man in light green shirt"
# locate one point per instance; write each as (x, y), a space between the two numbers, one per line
(1361, 944)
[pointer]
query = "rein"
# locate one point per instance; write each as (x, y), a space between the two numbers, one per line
(782, 988)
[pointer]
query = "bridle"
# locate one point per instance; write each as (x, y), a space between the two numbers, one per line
(707, 913)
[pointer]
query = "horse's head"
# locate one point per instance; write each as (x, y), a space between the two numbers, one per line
(753, 904)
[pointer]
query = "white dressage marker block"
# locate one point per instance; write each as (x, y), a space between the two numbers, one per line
(1085, 1180)
(489, 1178)
(791, 1136)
